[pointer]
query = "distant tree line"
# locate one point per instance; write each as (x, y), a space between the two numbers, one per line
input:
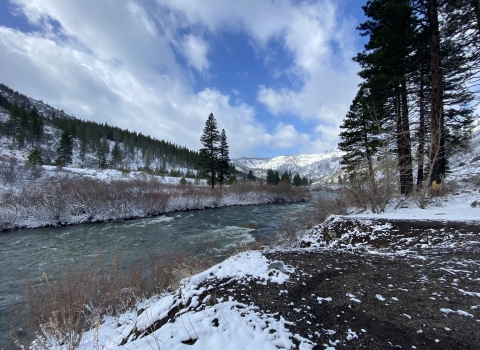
(273, 178)
(25, 126)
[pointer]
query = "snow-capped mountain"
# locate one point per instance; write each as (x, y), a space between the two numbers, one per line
(317, 167)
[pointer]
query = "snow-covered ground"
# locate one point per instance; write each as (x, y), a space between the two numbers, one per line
(228, 324)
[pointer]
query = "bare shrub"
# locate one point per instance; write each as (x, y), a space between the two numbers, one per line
(323, 207)
(61, 306)
(9, 171)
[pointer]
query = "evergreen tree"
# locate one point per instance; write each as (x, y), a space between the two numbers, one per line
(103, 151)
(208, 155)
(36, 126)
(386, 63)
(13, 122)
(270, 177)
(116, 155)
(251, 177)
(276, 180)
(297, 180)
(223, 161)
(361, 135)
(65, 149)
(34, 158)
(305, 181)
(23, 132)
(285, 177)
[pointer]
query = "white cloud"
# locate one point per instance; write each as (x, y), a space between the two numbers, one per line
(285, 136)
(195, 50)
(114, 61)
(318, 39)
(81, 83)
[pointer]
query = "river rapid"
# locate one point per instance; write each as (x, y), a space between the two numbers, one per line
(213, 233)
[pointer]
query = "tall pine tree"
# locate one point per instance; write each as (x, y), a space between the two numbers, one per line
(65, 149)
(208, 155)
(223, 161)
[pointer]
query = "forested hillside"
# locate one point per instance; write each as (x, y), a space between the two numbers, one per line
(415, 107)
(27, 124)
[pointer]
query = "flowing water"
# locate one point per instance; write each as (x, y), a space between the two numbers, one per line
(212, 232)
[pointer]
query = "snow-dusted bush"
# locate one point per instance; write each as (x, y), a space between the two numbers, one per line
(73, 199)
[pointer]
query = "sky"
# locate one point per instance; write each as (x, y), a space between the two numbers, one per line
(277, 74)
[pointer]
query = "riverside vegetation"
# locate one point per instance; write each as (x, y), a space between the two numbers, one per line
(74, 200)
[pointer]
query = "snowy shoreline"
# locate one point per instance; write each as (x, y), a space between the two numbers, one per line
(278, 201)
(174, 204)
(324, 295)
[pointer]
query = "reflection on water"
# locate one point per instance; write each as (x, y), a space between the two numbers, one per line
(212, 233)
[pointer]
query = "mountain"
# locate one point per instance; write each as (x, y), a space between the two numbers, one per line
(319, 167)
(93, 145)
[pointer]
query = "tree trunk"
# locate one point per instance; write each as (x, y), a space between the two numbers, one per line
(212, 169)
(403, 139)
(437, 151)
(476, 7)
(406, 142)
(421, 133)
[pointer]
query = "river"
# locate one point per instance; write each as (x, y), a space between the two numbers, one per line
(24, 253)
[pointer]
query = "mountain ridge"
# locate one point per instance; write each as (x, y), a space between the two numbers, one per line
(319, 167)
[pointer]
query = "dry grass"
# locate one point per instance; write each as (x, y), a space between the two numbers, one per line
(291, 228)
(60, 306)
(69, 200)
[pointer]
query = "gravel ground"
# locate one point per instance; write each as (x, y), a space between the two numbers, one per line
(418, 288)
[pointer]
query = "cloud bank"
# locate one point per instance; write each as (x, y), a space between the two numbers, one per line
(136, 64)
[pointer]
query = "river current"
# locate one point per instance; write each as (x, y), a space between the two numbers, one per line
(213, 233)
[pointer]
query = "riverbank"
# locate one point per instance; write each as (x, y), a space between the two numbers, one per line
(80, 200)
(351, 282)
(363, 296)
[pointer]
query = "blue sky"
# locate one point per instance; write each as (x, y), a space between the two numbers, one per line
(277, 74)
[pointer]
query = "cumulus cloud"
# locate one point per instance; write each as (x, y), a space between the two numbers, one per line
(316, 36)
(116, 62)
(286, 136)
(195, 50)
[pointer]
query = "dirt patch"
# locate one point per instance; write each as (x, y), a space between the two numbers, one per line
(424, 298)
(392, 235)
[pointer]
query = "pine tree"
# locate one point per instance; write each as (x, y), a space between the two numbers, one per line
(103, 151)
(23, 132)
(285, 177)
(305, 181)
(251, 177)
(208, 155)
(276, 178)
(223, 161)
(297, 180)
(65, 149)
(36, 127)
(386, 62)
(361, 135)
(270, 177)
(34, 158)
(13, 121)
(116, 155)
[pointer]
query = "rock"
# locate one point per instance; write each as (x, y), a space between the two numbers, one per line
(5, 226)
(277, 266)
(332, 234)
(251, 225)
(304, 244)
